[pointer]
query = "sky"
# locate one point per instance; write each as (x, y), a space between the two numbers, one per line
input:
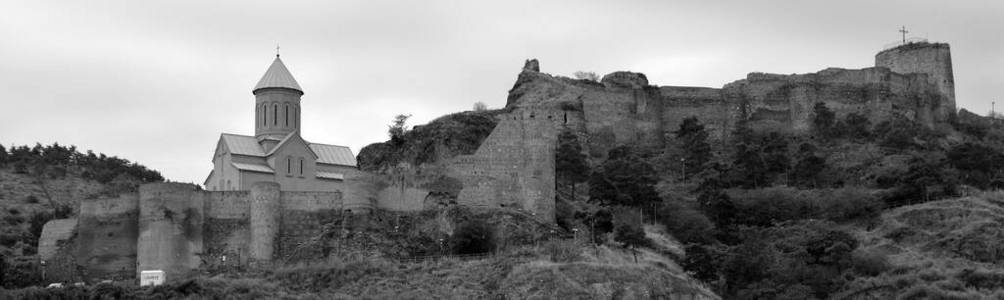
(156, 82)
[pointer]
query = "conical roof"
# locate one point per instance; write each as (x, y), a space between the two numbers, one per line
(277, 76)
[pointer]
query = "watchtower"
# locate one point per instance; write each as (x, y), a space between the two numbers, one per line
(920, 56)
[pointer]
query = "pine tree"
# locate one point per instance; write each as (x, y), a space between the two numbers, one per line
(569, 163)
(624, 179)
(694, 142)
(824, 119)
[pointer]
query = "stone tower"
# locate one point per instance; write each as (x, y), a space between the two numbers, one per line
(277, 105)
(933, 59)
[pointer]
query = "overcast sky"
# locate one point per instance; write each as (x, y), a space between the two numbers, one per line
(157, 81)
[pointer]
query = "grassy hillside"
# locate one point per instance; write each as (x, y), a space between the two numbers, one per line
(557, 269)
(948, 249)
(41, 183)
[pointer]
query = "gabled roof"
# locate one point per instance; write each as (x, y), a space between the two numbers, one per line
(286, 139)
(242, 145)
(277, 76)
(253, 167)
(334, 155)
(325, 154)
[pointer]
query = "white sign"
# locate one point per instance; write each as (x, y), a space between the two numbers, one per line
(155, 277)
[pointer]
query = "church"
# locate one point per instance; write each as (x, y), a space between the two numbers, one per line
(277, 153)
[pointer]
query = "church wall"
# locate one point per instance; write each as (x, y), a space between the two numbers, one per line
(249, 178)
(107, 230)
(344, 170)
(276, 122)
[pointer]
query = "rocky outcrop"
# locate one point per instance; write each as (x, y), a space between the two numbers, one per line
(625, 79)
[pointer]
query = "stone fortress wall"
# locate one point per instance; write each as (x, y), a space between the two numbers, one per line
(514, 166)
(176, 228)
(912, 80)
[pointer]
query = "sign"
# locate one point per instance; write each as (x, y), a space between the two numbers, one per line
(155, 277)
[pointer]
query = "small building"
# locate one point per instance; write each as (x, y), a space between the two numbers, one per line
(277, 153)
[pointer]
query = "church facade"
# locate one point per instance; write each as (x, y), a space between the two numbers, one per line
(277, 153)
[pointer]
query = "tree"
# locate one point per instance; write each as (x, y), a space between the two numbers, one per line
(694, 142)
(758, 157)
(624, 179)
(855, 126)
(397, 129)
(978, 163)
(570, 163)
(808, 167)
(3, 155)
(591, 76)
(823, 119)
(480, 106)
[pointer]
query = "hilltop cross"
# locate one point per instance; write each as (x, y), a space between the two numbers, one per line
(276, 49)
(903, 31)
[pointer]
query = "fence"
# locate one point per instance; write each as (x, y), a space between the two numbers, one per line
(901, 43)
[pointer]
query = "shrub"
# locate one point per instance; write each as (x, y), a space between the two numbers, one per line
(686, 224)
(850, 204)
(563, 251)
(473, 237)
(869, 263)
(329, 275)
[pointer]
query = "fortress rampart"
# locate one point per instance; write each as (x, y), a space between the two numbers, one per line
(178, 228)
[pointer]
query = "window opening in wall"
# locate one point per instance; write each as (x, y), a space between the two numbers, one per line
(289, 165)
(287, 115)
(301, 166)
(275, 114)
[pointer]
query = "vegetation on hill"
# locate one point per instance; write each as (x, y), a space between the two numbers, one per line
(447, 136)
(777, 217)
(41, 183)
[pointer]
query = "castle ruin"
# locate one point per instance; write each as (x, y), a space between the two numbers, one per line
(178, 228)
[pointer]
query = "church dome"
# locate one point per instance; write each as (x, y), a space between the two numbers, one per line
(277, 76)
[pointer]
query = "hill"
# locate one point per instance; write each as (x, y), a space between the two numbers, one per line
(42, 183)
(948, 249)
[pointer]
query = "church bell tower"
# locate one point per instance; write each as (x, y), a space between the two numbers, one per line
(277, 105)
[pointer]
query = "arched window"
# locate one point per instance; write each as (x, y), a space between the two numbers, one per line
(264, 115)
(275, 114)
(301, 166)
(289, 165)
(287, 115)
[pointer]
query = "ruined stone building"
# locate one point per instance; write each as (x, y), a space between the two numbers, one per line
(270, 192)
